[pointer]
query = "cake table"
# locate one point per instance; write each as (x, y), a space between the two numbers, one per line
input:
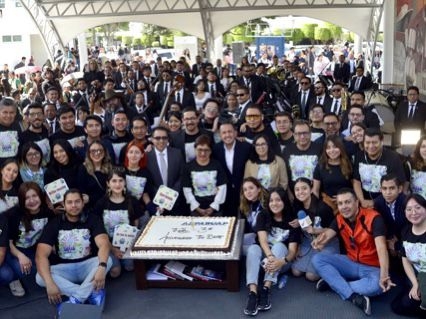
(230, 261)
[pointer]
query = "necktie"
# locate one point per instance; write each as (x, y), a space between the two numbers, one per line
(212, 90)
(336, 107)
(166, 88)
(178, 97)
(319, 100)
(411, 112)
(50, 127)
(163, 168)
(303, 102)
(357, 83)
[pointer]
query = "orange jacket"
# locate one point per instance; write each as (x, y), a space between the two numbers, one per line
(359, 242)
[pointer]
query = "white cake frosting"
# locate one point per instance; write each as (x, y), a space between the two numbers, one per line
(183, 233)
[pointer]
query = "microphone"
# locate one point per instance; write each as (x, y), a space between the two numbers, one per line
(304, 220)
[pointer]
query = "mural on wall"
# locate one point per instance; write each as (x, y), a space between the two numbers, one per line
(410, 44)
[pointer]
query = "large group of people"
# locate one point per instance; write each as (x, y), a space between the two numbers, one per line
(322, 196)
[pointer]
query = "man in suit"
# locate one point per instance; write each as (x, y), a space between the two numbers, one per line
(165, 165)
(243, 99)
(336, 105)
(196, 67)
(232, 155)
(120, 75)
(359, 81)
(303, 97)
(342, 71)
(321, 95)
(410, 114)
(182, 95)
(180, 70)
(214, 87)
(164, 87)
(251, 81)
(81, 97)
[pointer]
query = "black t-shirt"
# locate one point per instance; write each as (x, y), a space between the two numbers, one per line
(204, 180)
(369, 172)
(4, 239)
(8, 199)
(68, 172)
(278, 231)
(301, 163)
(114, 214)
(73, 241)
(284, 143)
(94, 186)
(414, 248)
(331, 179)
(139, 182)
(17, 233)
(72, 138)
(41, 139)
(9, 141)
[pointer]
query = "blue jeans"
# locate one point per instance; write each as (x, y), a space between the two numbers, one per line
(13, 262)
(346, 277)
(255, 256)
(75, 279)
(6, 274)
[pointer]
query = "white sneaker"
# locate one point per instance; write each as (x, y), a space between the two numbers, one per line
(16, 288)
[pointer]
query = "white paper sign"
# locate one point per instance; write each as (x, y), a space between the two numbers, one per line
(123, 236)
(165, 197)
(56, 190)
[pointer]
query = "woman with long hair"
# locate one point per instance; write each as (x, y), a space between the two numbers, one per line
(412, 300)
(333, 171)
(26, 223)
(138, 178)
(321, 216)
(9, 172)
(92, 175)
(200, 94)
(31, 168)
(417, 168)
(275, 248)
(118, 207)
(264, 165)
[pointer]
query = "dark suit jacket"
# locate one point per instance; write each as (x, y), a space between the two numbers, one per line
(161, 96)
(220, 91)
(117, 77)
(370, 119)
(325, 102)
(196, 69)
(342, 73)
(402, 121)
(187, 99)
(393, 226)
(364, 85)
(298, 101)
(256, 87)
(235, 179)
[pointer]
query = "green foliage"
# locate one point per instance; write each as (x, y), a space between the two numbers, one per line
(170, 44)
(155, 44)
(336, 31)
(297, 36)
(137, 41)
(127, 40)
(322, 34)
(119, 38)
(163, 40)
(309, 30)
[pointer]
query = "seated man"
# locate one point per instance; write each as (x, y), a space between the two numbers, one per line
(364, 270)
(79, 266)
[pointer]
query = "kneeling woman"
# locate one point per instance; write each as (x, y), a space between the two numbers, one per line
(117, 208)
(278, 242)
(26, 223)
(321, 216)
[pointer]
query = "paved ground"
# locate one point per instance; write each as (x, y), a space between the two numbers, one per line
(298, 299)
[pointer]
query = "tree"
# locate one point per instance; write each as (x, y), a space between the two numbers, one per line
(309, 31)
(108, 30)
(322, 34)
(336, 31)
(297, 36)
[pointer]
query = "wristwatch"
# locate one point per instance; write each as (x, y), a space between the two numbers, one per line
(102, 264)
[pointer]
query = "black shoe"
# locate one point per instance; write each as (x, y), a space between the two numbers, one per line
(264, 299)
(362, 302)
(251, 307)
(322, 285)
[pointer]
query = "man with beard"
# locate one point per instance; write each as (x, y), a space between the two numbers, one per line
(36, 131)
(9, 130)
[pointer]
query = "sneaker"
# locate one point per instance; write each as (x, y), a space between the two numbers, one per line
(251, 307)
(97, 297)
(264, 299)
(322, 285)
(362, 302)
(16, 288)
(71, 299)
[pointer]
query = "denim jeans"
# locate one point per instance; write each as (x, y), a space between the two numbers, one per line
(255, 256)
(75, 279)
(13, 262)
(6, 274)
(346, 277)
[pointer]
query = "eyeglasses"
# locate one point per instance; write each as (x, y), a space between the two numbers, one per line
(35, 154)
(253, 116)
(411, 209)
(96, 151)
(203, 150)
(304, 83)
(301, 133)
(240, 95)
(355, 114)
(330, 123)
(336, 90)
(159, 138)
(318, 87)
(38, 114)
(260, 144)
